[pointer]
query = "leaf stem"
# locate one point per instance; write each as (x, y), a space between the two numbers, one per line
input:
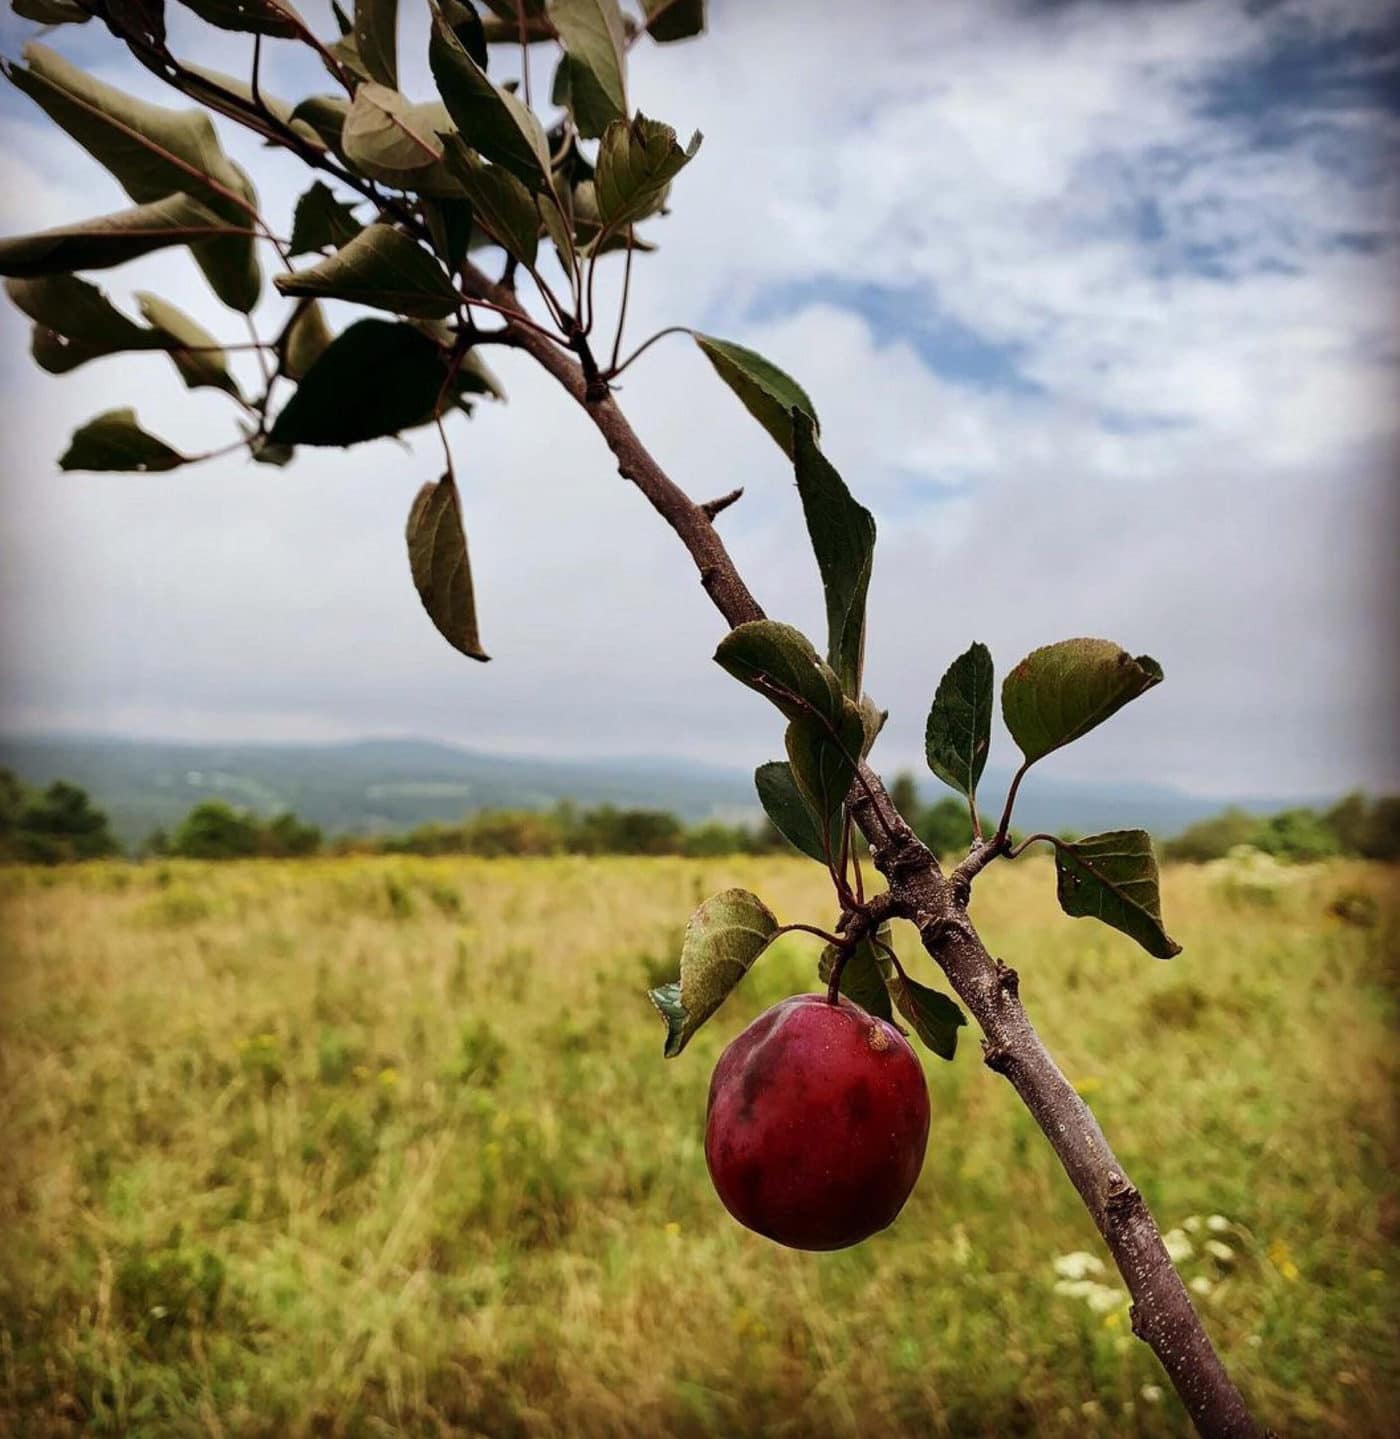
(641, 349)
(1003, 829)
(622, 309)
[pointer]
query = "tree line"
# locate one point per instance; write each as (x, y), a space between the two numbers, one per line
(59, 823)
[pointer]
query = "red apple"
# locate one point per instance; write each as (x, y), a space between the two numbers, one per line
(817, 1123)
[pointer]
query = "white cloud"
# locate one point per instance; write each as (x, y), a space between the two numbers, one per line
(1204, 472)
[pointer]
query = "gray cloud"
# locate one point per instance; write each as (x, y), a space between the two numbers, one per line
(1196, 459)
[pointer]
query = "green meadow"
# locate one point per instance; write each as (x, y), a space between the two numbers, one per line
(387, 1146)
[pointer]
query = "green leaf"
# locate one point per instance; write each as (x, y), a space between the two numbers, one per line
(959, 729)
(381, 267)
(843, 540)
(392, 140)
(376, 38)
(1113, 877)
(824, 757)
(306, 339)
(934, 1017)
(154, 153)
(1060, 692)
(75, 322)
(783, 804)
(256, 17)
(280, 108)
(861, 980)
(437, 555)
(321, 221)
(114, 441)
(491, 120)
(874, 719)
(779, 663)
(466, 25)
(110, 240)
(595, 44)
(450, 224)
(476, 377)
(668, 20)
(722, 940)
(769, 394)
(375, 379)
(325, 116)
(50, 12)
(502, 206)
(194, 351)
(637, 160)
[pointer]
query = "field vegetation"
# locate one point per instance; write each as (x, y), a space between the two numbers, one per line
(380, 1146)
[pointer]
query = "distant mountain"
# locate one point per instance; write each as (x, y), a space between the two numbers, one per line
(383, 785)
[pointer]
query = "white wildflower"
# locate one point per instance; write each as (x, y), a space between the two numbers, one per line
(1192, 1224)
(1178, 1246)
(1078, 1265)
(1103, 1298)
(1200, 1285)
(1151, 1393)
(1218, 1224)
(1075, 1288)
(1219, 1251)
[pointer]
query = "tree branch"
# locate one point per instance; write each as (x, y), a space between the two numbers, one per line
(1162, 1313)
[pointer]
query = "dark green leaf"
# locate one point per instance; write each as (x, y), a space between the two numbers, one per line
(783, 804)
(194, 351)
(376, 379)
(466, 25)
(325, 116)
(491, 120)
(1113, 877)
(280, 108)
(779, 662)
(959, 729)
(595, 44)
(769, 395)
(114, 441)
(873, 717)
(110, 239)
(502, 206)
(637, 160)
(476, 377)
(75, 322)
(396, 142)
(307, 338)
(934, 1017)
(154, 154)
(257, 17)
(824, 757)
(1060, 692)
(674, 19)
(861, 980)
(843, 540)
(722, 940)
(437, 555)
(50, 12)
(450, 225)
(321, 221)
(381, 267)
(376, 39)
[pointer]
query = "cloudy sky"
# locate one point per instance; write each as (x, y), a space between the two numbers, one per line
(1098, 304)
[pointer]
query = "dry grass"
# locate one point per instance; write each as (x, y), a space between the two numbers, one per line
(376, 1147)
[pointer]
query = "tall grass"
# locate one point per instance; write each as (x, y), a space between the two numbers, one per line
(373, 1147)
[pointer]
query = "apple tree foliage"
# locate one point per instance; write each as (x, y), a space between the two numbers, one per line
(409, 203)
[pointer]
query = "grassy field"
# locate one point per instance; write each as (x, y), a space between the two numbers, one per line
(374, 1147)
